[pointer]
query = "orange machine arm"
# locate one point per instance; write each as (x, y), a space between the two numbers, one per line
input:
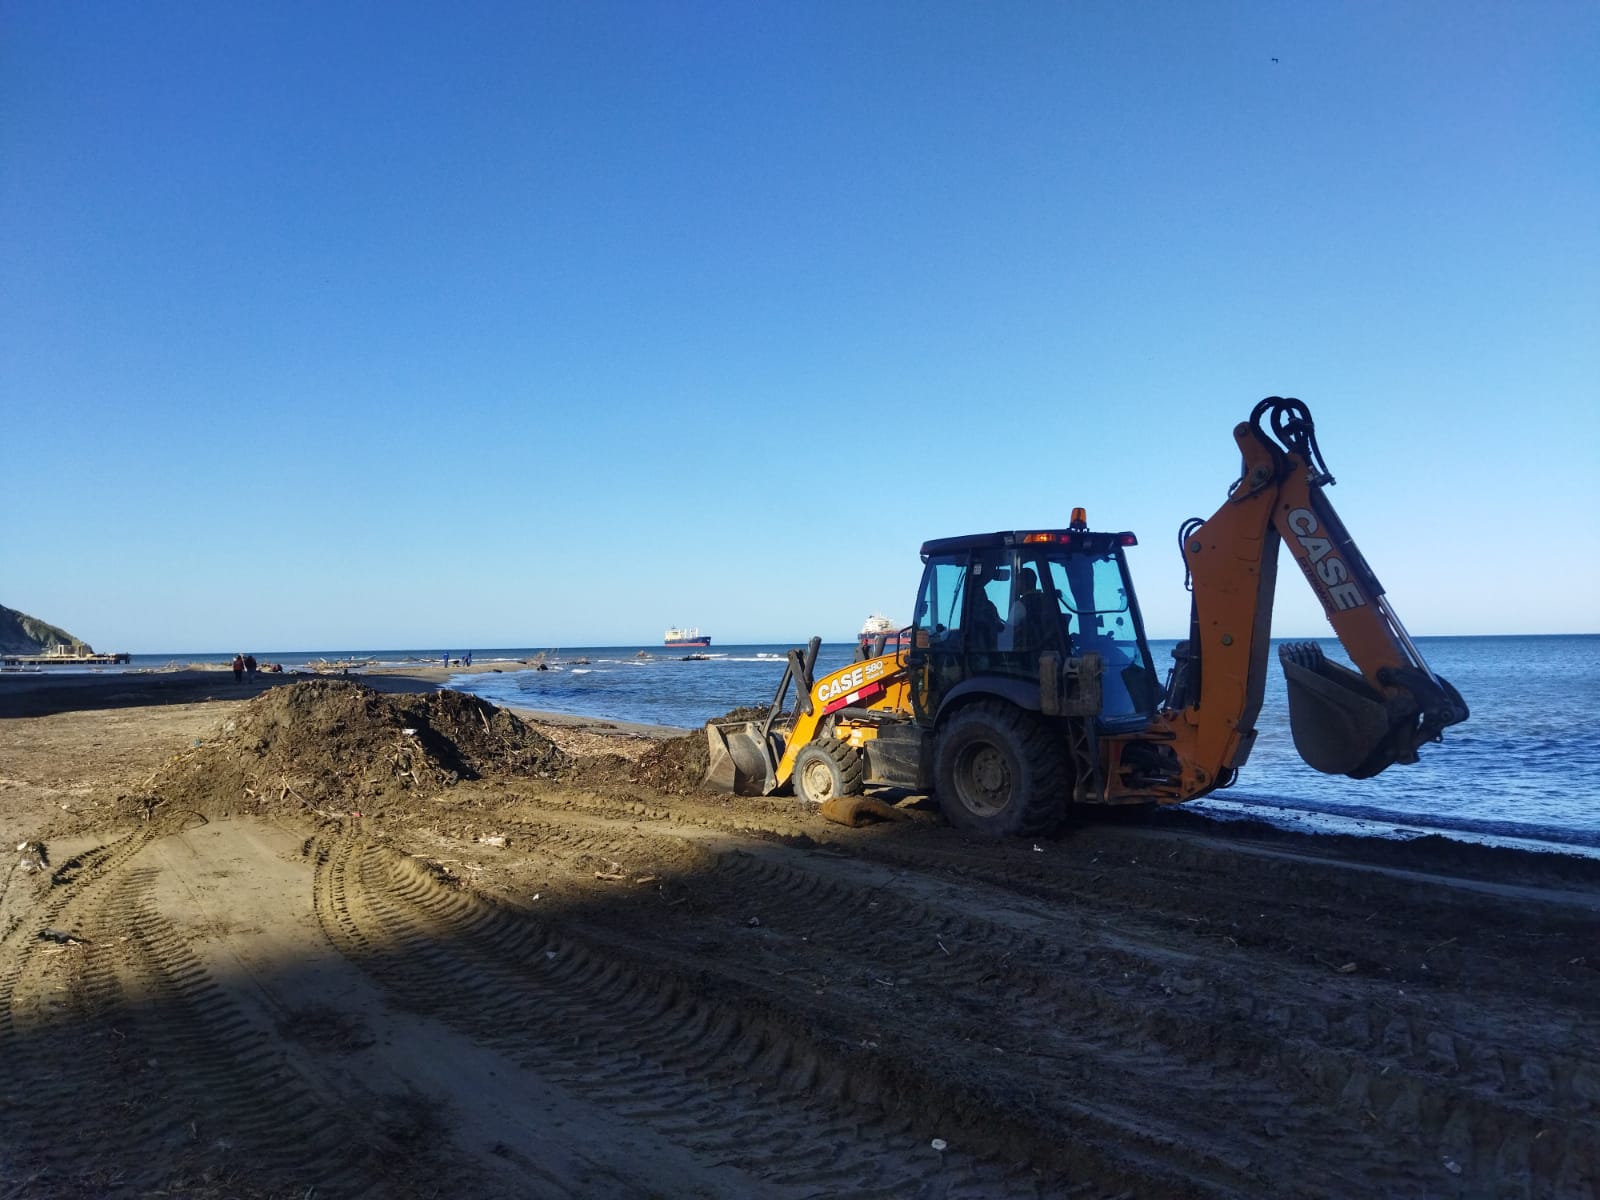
(1344, 722)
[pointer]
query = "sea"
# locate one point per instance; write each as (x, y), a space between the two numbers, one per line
(1523, 770)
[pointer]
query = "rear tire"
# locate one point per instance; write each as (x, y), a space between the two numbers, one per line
(999, 772)
(826, 768)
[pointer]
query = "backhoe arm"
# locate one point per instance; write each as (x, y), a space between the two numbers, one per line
(1346, 722)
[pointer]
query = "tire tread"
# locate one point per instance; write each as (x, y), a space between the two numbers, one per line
(1045, 764)
(850, 768)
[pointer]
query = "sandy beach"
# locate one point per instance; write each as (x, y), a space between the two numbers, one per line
(296, 936)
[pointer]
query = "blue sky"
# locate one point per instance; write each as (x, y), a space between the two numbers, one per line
(383, 325)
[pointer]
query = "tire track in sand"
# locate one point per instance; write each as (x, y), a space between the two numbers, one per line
(1154, 1022)
(158, 1071)
(1231, 1063)
(734, 1087)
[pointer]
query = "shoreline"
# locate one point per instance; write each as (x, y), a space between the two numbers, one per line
(36, 694)
(43, 695)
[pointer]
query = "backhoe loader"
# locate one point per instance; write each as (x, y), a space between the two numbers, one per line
(1028, 687)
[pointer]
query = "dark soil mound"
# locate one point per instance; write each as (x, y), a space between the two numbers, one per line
(602, 771)
(336, 745)
(676, 766)
(487, 739)
(679, 765)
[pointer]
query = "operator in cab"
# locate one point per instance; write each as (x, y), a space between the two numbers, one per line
(1029, 623)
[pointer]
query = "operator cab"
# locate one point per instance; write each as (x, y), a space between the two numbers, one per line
(990, 605)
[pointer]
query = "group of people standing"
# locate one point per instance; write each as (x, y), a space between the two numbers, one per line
(243, 664)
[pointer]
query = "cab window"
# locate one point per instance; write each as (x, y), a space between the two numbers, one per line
(989, 582)
(1096, 596)
(939, 605)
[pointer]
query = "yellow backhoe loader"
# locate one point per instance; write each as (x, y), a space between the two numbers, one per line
(1028, 685)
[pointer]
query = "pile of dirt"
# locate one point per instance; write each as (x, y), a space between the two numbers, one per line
(336, 745)
(678, 766)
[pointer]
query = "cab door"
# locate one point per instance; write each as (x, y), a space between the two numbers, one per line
(938, 632)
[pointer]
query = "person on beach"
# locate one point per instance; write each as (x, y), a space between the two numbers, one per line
(250, 665)
(467, 660)
(238, 667)
(447, 658)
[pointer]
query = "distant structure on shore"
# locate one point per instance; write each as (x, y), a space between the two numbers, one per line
(22, 634)
(687, 637)
(62, 656)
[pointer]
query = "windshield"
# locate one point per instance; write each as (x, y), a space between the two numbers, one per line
(1093, 593)
(1093, 588)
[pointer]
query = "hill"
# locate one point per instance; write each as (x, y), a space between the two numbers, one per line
(22, 634)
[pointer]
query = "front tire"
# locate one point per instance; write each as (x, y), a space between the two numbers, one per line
(999, 772)
(827, 768)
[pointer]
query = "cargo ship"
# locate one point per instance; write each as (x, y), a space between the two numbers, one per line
(687, 637)
(877, 625)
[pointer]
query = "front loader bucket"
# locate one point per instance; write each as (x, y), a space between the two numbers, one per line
(741, 759)
(1341, 724)
(745, 754)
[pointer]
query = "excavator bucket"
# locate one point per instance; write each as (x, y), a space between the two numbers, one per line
(742, 760)
(1341, 724)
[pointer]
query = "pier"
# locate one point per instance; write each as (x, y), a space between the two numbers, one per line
(60, 658)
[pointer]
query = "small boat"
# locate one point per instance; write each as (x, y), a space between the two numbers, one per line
(687, 637)
(879, 626)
